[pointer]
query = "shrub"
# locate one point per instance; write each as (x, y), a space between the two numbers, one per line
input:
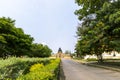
(13, 67)
(42, 72)
(36, 67)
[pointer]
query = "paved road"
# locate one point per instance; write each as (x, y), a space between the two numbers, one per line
(76, 71)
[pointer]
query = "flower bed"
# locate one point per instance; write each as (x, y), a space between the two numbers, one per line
(29, 69)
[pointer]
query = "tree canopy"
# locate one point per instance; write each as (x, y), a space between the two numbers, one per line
(100, 27)
(14, 42)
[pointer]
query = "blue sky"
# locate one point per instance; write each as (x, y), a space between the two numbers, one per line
(51, 22)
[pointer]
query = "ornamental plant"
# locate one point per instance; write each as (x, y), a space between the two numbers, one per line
(43, 72)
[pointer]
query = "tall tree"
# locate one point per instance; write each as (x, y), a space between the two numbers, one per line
(100, 26)
(13, 40)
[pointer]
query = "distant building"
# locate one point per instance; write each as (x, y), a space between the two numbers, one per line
(59, 53)
(110, 55)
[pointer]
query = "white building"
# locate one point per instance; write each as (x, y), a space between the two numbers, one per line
(110, 55)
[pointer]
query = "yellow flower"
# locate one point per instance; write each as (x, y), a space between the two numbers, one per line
(36, 67)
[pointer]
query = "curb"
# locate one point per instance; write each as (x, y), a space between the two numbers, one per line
(98, 66)
(61, 72)
(104, 67)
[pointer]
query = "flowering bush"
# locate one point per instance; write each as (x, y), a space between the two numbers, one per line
(29, 69)
(42, 72)
(37, 75)
(36, 67)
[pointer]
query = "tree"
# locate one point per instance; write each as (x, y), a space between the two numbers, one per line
(68, 52)
(40, 50)
(13, 40)
(99, 31)
(111, 18)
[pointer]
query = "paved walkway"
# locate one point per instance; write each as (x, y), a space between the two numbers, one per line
(76, 71)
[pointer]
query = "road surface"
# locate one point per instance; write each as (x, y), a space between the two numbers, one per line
(76, 71)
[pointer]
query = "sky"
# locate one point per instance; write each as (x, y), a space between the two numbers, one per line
(50, 22)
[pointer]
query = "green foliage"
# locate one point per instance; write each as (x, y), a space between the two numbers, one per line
(2, 39)
(88, 7)
(91, 59)
(37, 76)
(42, 72)
(26, 68)
(100, 27)
(14, 42)
(40, 50)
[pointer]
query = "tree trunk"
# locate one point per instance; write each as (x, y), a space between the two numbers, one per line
(100, 58)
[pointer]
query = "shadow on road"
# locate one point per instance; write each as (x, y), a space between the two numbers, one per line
(61, 73)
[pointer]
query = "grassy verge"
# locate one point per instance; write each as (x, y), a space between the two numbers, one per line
(115, 63)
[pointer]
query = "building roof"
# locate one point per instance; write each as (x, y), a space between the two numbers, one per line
(59, 50)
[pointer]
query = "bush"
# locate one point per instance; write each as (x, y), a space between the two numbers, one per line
(36, 67)
(42, 72)
(91, 59)
(12, 68)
